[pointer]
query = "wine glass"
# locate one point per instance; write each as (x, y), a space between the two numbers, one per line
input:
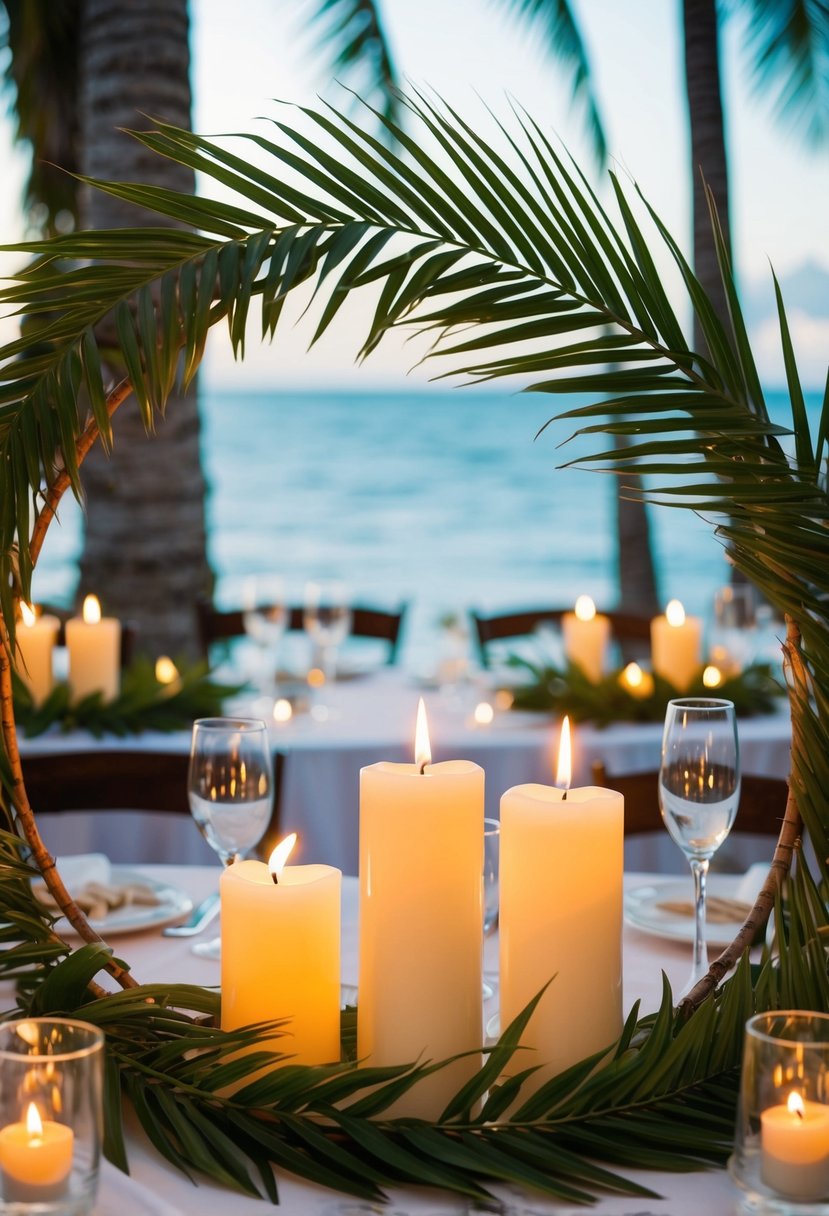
(327, 621)
(230, 789)
(265, 617)
(699, 789)
(492, 843)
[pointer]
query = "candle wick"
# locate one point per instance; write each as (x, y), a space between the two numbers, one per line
(564, 796)
(422, 769)
(275, 878)
(799, 1113)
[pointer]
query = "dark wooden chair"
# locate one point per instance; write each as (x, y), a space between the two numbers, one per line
(107, 779)
(761, 809)
(632, 632)
(218, 625)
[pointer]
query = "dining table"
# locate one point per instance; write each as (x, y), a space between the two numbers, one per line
(336, 730)
(155, 1186)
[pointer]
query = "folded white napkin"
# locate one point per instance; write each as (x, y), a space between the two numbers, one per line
(120, 1195)
(82, 868)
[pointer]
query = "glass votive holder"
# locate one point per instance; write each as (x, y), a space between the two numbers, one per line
(781, 1147)
(51, 1116)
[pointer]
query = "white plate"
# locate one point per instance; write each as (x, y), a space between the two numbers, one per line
(642, 909)
(172, 905)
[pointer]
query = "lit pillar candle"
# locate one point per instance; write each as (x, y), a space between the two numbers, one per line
(421, 920)
(585, 637)
(281, 953)
(795, 1148)
(94, 645)
(676, 653)
(35, 637)
(35, 1159)
(561, 918)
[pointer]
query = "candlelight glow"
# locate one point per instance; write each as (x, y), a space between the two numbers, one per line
(585, 608)
(34, 1123)
(675, 614)
(423, 750)
(316, 677)
(484, 713)
(564, 772)
(795, 1105)
(504, 698)
(276, 862)
(28, 613)
(283, 711)
(633, 675)
(165, 670)
(91, 610)
(712, 677)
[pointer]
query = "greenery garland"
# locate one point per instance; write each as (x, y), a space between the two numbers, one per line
(490, 254)
(143, 703)
(550, 689)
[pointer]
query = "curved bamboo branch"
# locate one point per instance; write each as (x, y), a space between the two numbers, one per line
(790, 832)
(43, 859)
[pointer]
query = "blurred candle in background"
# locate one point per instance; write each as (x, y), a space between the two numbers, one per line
(676, 652)
(36, 636)
(94, 645)
(586, 635)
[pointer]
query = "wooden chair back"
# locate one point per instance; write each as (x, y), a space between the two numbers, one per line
(218, 625)
(761, 809)
(632, 632)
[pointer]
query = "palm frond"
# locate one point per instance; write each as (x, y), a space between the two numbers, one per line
(351, 35)
(788, 54)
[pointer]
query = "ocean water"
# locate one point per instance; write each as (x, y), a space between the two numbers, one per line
(443, 499)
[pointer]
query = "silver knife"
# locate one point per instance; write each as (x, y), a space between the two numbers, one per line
(201, 916)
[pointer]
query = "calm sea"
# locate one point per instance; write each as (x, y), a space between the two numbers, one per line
(443, 499)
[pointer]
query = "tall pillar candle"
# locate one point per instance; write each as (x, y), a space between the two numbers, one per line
(94, 645)
(676, 646)
(586, 635)
(36, 636)
(421, 921)
(281, 954)
(561, 920)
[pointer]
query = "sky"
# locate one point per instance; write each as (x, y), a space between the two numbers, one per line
(471, 53)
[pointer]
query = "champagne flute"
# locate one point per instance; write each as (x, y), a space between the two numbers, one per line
(265, 617)
(327, 621)
(230, 789)
(699, 790)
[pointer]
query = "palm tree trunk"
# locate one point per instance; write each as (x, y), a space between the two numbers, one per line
(708, 155)
(145, 543)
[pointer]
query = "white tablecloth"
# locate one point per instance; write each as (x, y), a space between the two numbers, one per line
(155, 958)
(372, 718)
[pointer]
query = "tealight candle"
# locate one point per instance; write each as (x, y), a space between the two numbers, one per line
(637, 682)
(281, 953)
(561, 918)
(794, 1142)
(35, 636)
(94, 645)
(676, 645)
(35, 1158)
(586, 635)
(421, 920)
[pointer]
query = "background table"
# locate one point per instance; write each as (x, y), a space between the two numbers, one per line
(357, 722)
(155, 958)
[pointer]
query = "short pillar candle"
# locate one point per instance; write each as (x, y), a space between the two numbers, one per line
(676, 646)
(94, 645)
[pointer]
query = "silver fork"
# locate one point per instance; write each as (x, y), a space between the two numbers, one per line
(198, 919)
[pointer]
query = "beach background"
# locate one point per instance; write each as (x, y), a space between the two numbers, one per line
(444, 499)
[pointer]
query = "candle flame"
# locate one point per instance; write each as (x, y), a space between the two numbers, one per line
(795, 1105)
(28, 613)
(423, 750)
(564, 772)
(675, 614)
(34, 1123)
(712, 677)
(484, 713)
(165, 670)
(279, 856)
(282, 710)
(633, 675)
(585, 608)
(91, 610)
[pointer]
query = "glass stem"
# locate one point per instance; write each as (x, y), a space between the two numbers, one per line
(699, 869)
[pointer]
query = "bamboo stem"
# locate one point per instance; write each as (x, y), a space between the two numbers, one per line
(787, 841)
(42, 857)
